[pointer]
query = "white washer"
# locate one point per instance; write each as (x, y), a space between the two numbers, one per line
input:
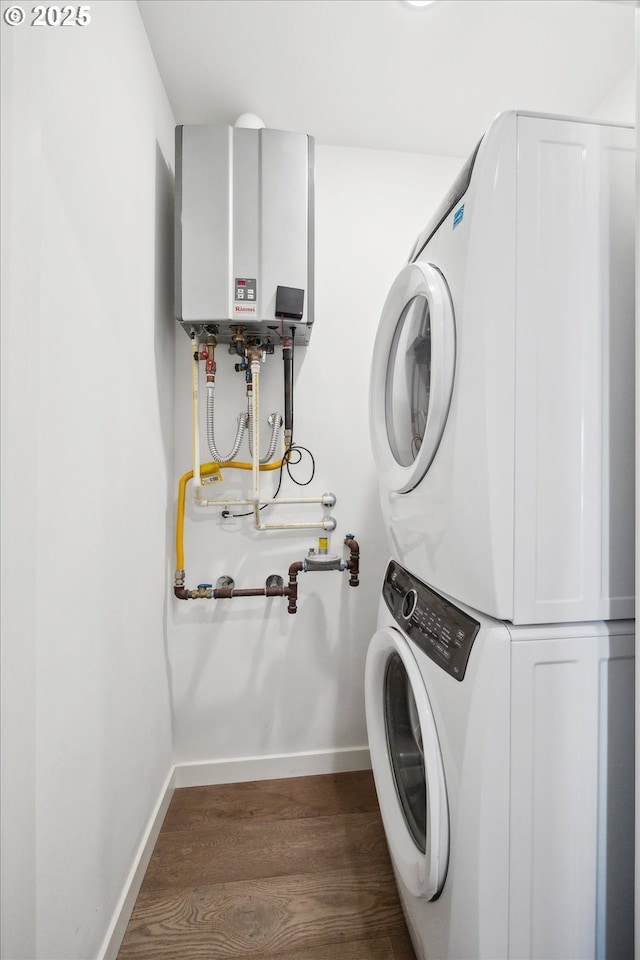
(503, 763)
(502, 382)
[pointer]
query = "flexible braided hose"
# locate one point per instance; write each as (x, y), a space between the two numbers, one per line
(242, 426)
(275, 422)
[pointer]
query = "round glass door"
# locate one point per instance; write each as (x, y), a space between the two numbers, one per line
(407, 764)
(406, 751)
(412, 375)
(408, 382)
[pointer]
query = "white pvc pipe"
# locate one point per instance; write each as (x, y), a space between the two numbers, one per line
(293, 526)
(193, 344)
(255, 403)
(261, 503)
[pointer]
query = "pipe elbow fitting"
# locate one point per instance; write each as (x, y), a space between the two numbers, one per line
(354, 560)
(291, 591)
(295, 569)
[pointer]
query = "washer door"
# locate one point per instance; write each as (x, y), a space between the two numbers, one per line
(411, 375)
(407, 764)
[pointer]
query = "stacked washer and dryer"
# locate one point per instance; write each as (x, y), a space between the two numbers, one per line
(500, 681)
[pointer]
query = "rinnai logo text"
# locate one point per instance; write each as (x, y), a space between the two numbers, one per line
(245, 309)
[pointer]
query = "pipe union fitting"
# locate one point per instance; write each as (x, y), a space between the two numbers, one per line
(329, 523)
(328, 500)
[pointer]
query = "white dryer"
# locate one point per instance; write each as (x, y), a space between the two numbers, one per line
(502, 382)
(503, 763)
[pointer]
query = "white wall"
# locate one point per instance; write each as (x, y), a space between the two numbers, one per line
(620, 103)
(636, 115)
(249, 679)
(87, 434)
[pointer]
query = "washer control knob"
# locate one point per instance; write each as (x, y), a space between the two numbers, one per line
(409, 602)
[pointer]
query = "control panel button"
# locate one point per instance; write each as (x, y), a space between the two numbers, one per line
(409, 604)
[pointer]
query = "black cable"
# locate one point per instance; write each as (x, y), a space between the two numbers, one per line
(300, 450)
(286, 462)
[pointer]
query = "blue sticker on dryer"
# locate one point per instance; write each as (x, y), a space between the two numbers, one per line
(458, 215)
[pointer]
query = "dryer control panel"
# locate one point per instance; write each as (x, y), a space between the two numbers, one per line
(441, 630)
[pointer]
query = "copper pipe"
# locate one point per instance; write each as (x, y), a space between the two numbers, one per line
(228, 593)
(211, 359)
(292, 589)
(354, 560)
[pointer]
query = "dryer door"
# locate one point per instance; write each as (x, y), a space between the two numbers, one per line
(407, 764)
(411, 375)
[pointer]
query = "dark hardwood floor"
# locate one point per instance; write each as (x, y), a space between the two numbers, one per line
(293, 869)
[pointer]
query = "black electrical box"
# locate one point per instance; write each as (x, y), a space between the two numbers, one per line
(289, 303)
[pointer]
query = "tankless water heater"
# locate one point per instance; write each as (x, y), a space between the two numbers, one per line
(244, 231)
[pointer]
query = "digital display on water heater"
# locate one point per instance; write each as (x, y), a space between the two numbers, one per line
(246, 289)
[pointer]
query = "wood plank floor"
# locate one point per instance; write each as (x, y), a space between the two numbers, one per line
(294, 869)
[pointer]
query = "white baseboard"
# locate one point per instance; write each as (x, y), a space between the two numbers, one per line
(208, 773)
(124, 909)
(243, 769)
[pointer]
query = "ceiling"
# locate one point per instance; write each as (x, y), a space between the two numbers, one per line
(380, 74)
